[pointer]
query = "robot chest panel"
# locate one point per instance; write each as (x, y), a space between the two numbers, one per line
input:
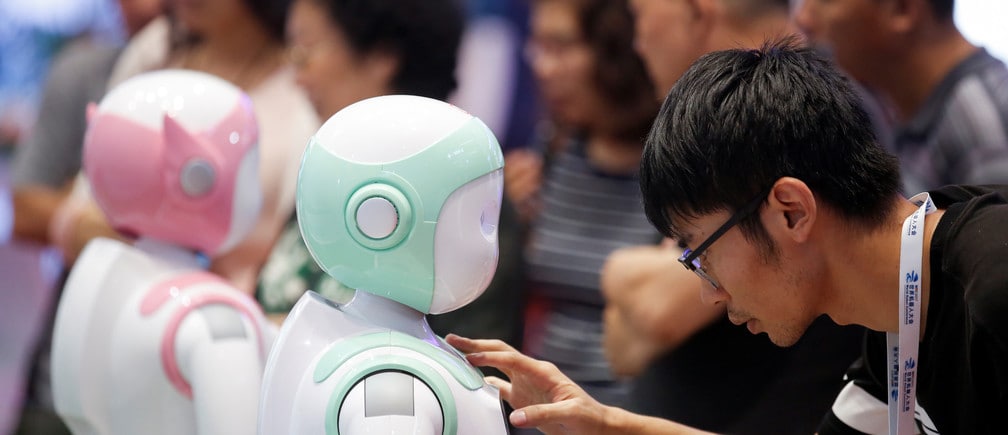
(416, 387)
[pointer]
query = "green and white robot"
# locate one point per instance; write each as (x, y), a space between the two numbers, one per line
(398, 197)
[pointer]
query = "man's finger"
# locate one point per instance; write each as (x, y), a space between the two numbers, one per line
(468, 345)
(548, 414)
(505, 361)
(502, 385)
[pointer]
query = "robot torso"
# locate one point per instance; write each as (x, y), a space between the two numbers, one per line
(371, 366)
(146, 341)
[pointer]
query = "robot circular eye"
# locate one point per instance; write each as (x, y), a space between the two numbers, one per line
(377, 217)
(197, 177)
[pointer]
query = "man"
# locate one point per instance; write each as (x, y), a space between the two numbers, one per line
(681, 353)
(949, 97)
(790, 209)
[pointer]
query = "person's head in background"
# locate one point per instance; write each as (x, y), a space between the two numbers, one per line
(581, 52)
(241, 41)
(900, 47)
(137, 13)
(672, 34)
(348, 50)
(242, 19)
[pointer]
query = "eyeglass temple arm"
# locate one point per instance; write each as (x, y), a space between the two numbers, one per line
(732, 221)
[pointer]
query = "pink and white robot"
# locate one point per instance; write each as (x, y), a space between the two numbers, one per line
(146, 340)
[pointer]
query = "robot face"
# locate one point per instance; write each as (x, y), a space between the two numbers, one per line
(246, 202)
(171, 156)
(465, 243)
(400, 196)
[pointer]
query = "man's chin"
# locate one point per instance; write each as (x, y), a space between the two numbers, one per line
(782, 340)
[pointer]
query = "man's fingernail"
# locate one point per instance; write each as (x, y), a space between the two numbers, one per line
(518, 418)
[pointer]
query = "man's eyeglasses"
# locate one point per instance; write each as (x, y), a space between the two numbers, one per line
(691, 259)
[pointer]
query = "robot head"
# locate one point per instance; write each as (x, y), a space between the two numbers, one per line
(172, 155)
(399, 196)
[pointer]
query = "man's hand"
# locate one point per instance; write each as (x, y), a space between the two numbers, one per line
(542, 396)
(546, 399)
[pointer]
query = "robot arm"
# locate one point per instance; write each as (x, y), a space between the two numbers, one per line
(391, 402)
(219, 355)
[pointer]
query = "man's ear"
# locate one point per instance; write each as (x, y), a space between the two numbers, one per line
(791, 210)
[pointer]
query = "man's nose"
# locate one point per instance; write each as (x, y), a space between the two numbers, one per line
(711, 295)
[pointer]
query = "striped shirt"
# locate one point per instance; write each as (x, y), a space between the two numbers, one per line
(585, 216)
(960, 135)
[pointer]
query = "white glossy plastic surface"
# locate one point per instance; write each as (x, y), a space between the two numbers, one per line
(174, 93)
(360, 413)
(377, 217)
(247, 201)
(293, 403)
(465, 243)
(379, 130)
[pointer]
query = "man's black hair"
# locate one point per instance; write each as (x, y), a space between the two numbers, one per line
(272, 14)
(739, 120)
(942, 8)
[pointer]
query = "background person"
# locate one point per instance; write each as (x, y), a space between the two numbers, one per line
(947, 98)
(601, 103)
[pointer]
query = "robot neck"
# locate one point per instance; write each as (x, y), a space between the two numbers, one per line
(171, 253)
(387, 313)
